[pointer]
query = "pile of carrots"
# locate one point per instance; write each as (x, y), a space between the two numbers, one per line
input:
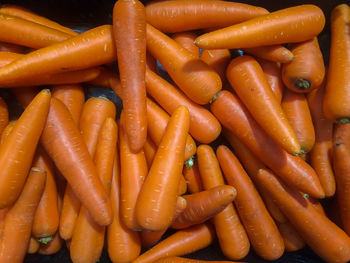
(72, 175)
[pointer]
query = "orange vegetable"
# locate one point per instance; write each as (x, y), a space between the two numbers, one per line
(292, 240)
(4, 115)
(149, 150)
(276, 53)
(33, 246)
(192, 176)
(186, 40)
(218, 59)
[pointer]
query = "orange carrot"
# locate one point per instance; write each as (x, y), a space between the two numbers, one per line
(8, 129)
(276, 53)
(156, 202)
(8, 47)
(192, 176)
(292, 240)
(51, 247)
(194, 77)
(4, 115)
(6, 57)
(186, 40)
(3, 213)
(218, 59)
(189, 15)
(150, 150)
(18, 222)
(289, 25)
(187, 260)
(17, 151)
(182, 188)
(33, 246)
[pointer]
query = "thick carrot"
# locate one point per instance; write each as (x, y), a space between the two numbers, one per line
(156, 202)
(292, 240)
(276, 53)
(149, 150)
(8, 47)
(320, 154)
(129, 28)
(187, 260)
(186, 40)
(233, 239)
(17, 151)
(306, 72)
(248, 80)
(289, 25)
(194, 77)
(123, 244)
(4, 115)
(133, 173)
(189, 15)
(327, 240)
(158, 120)
(46, 217)
(24, 95)
(18, 222)
(180, 243)
(192, 176)
(65, 145)
(260, 227)
(204, 205)
(204, 127)
(6, 57)
(8, 129)
(19, 11)
(298, 114)
(51, 247)
(236, 118)
(33, 246)
(89, 49)
(218, 59)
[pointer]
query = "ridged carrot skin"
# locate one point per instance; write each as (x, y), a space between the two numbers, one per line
(276, 53)
(248, 80)
(52, 247)
(218, 59)
(289, 25)
(186, 40)
(192, 176)
(236, 118)
(17, 151)
(156, 202)
(18, 222)
(187, 260)
(189, 15)
(4, 114)
(194, 77)
(292, 240)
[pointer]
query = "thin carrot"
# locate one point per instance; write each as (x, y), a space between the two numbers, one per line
(156, 202)
(150, 150)
(292, 240)
(233, 239)
(218, 59)
(18, 222)
(187, 260)
(8, 129)
(33, 246)
(276, 53)
(51, 247)
(194, 77)
(186, 40)
(180, 243)
(4, 115)
(236, 118)
(204, 127)
(17, 151)
(289, 25)
(298, 114)
(8, 47)
(192, 176)
(24, 95)
(189, 15)
(129, 28)
(65, 145)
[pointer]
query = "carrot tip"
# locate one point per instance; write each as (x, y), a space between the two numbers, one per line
(343, 120)
(302, 84)
(47, 90)
(45, 240)
(190, 162)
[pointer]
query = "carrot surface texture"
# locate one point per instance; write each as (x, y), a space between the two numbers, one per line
(156, 202)
(276, 53)
(289, 25)
(17, 151)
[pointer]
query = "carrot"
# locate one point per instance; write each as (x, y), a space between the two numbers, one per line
(133, 173)
(17, 151)
(51, 247)
(248, 80)
(65, 145)
(218, 59)
(88, 236)
(194, 77)
(46, 219)
(33, 246)
(180, 243)
(192, 176)
(204, 127)
(4, 115)
(186, 40)
(123, 244)
(8, 129)
(276, 53)
(326, 239)
(336, 106)
(289, 25)
(26, 14)
(307, 70)
(233, 239)
(204, 205)
(187, 260)
(189, 15)
(89, 49)
(6, 57)
(260, 227)
(8, 47)
(157, 198)
(129, 28)
(24, 95)
(3, 213)
(320, 154)
(235, 117)
(18, 222)
(272, 73)
(298, 114)
(149, 150)
(292, 240)
(158, 120)
(182, 188)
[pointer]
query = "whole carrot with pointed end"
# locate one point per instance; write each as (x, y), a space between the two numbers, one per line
(248, 80)
(65, 145)
(4, 114)
(289, 25)
(156, 202)
(17, 151)
(276, 53)
(218, 59)
(194, 77)
(186, 40)
(18, 222)
(306, 72)
(189, 15)
(192, 176)
(129, 28)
